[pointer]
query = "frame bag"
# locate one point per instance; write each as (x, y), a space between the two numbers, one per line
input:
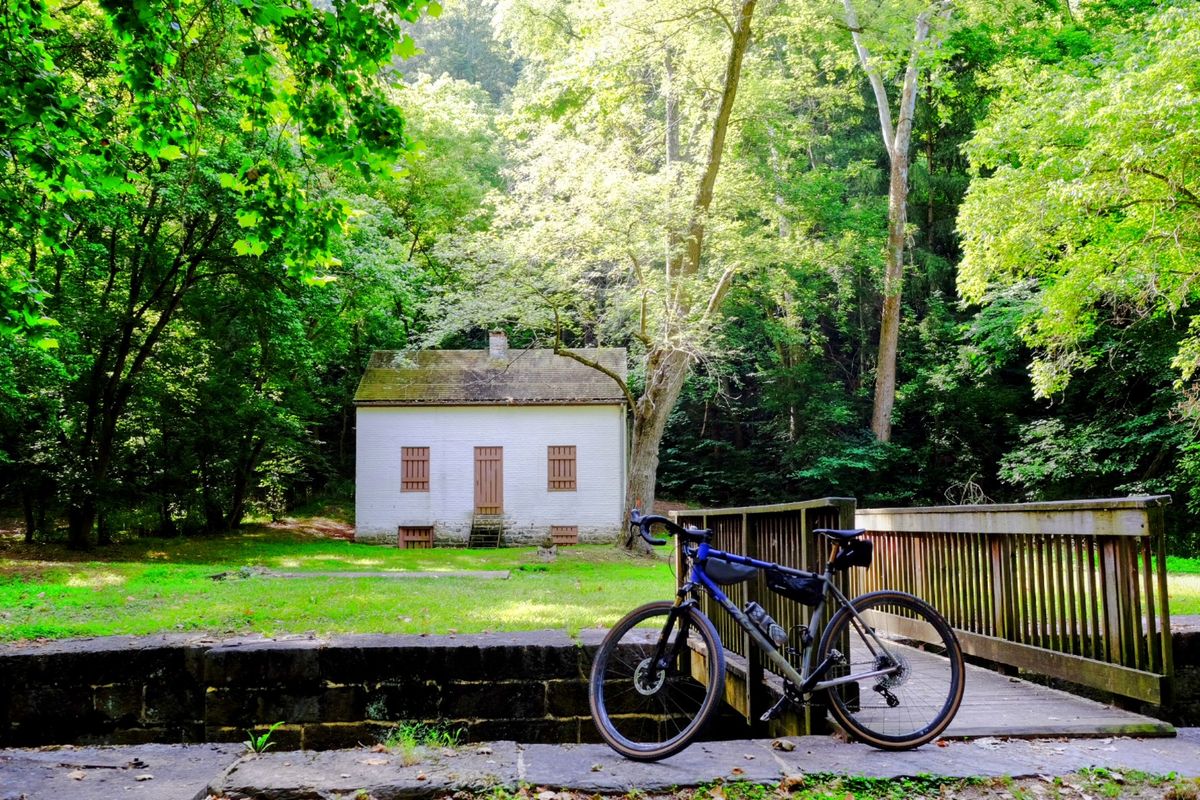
(806, 589)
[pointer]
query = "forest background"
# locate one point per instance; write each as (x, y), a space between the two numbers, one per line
(205, 242)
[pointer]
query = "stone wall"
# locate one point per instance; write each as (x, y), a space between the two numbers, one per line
(338, 692)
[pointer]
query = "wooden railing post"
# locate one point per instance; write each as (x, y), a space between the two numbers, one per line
(1002, 609)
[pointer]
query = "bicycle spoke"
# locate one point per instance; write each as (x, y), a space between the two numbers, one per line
(646, 712)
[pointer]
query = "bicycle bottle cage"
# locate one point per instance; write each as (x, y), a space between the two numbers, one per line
(854, 553)
(726, 572)
(806, 589)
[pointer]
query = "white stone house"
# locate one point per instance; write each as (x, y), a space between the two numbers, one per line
(454, 445)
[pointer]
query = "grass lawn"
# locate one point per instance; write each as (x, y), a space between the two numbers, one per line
(162, 586)
(1183, 584)
(157, 585)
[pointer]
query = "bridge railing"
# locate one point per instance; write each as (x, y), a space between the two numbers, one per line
(1075, 590)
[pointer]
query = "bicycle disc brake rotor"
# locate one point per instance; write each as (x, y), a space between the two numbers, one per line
(646, 679)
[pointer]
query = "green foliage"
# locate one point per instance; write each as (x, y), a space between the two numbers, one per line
(184, 180)
(1092, 159)
(94, 96)
(413, 739)
(259, 743)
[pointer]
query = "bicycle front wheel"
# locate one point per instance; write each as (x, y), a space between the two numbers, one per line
(646, 712)
(923, 686)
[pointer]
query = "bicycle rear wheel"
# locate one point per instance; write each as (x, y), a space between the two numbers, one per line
(914, 703)
(646, 713)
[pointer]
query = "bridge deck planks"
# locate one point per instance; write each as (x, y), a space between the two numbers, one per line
(999, 705)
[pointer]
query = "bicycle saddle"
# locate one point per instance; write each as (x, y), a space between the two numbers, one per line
(841, 535)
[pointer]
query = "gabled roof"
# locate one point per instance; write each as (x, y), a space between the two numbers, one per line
(474, 377)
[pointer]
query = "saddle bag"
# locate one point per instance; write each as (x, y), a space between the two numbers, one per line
(805, 589)
(854, 553)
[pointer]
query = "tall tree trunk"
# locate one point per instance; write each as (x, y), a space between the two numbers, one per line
(650, 414)
(667, 365)
(893, 285)
(897, 141)
(27, 505)
(81, 516)
(241, 482)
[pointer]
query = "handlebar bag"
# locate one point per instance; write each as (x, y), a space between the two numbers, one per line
(806, 589)
(855, 553)
(726, 572)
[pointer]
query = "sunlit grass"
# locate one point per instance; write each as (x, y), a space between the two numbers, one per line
(95, 580)
(163, 587)
(1183, 592)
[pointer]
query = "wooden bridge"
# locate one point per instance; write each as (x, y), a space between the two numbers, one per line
(1073, 590)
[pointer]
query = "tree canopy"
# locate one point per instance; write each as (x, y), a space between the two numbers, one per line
(217, 210)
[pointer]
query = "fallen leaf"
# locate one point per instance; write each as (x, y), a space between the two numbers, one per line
(942, 743)
(784, 745)
(77, 775)
(374, 762)
(421, 776)
(146, 777)
(791, 782)
(737, 771)
(596, 767)
(380, 748)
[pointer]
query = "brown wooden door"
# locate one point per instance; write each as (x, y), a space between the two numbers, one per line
(489, 480)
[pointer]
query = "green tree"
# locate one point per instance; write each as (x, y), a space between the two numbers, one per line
(1092, 158)
(611, 229)
(154, 146)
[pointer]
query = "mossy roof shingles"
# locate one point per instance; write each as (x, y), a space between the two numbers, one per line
(467, 377)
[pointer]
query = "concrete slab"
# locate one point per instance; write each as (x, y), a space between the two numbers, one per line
(141, 772)
(597, 769)
(333, 773)
(191, 772)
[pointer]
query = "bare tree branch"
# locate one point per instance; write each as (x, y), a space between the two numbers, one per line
(864, 58)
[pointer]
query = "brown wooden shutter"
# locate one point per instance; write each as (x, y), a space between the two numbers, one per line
(560, 468)
(414, 469)
(415, 538)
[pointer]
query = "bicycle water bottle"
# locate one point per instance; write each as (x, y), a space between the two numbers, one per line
(770, 628)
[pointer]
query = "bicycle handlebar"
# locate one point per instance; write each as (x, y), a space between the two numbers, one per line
(643, 523)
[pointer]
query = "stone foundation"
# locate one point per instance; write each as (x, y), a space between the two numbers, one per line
(340, 692)
(449, 534)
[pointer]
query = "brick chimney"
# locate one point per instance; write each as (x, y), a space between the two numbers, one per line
(498, 344)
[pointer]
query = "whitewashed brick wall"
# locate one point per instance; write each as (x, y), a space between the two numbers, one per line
(453, 432)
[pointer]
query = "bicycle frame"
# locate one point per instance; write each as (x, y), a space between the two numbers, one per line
(808, 679)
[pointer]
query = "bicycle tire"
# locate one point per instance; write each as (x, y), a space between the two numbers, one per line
(911, 707)
(663, 715)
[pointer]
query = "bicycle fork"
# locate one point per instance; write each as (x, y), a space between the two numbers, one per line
(662, 658)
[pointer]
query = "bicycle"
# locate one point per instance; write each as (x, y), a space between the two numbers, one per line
(659, 674)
